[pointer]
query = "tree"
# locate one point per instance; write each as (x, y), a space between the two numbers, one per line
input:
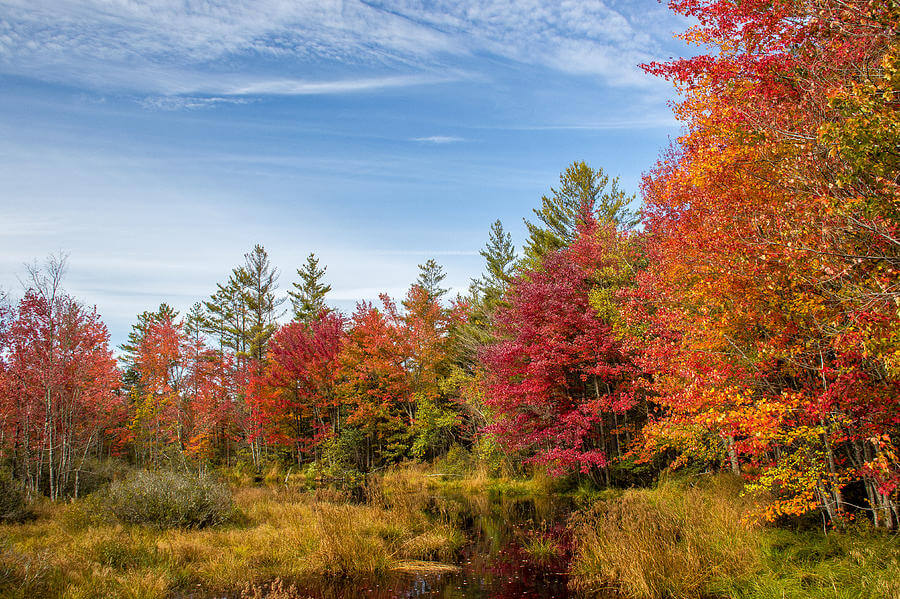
(259, 281)
(161, 413)
(559, 378)
(298, 390)
(499, 255)
(583, 193)
(308, 298)
(132, 345)
(375, 383)
(767, 307)
(59, 380)
(181, 403)
(476, 328)
(431, 275)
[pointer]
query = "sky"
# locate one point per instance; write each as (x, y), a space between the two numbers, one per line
(155, 142)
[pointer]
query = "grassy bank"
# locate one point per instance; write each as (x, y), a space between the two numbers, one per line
(78, 550)
(424, 479)
(695, 540)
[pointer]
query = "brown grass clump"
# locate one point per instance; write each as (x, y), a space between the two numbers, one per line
(277, 589)
(669, 542)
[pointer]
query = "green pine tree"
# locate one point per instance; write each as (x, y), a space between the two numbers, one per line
(259, 282)
(227, 315)
(308, 296)
(582, 190)
(242, 312)
(485, 295)
(499, 255)
(431, 275)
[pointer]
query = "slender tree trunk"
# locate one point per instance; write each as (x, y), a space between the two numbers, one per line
(48, 434)
(733, 456)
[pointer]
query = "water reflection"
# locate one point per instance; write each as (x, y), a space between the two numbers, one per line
(493, 564)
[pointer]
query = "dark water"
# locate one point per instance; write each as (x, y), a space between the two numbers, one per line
(493, 562)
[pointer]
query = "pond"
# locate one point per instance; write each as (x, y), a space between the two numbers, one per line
(494, 562)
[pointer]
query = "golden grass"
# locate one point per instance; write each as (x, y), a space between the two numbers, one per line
(420, 479)
(72, 551)
(669, 542)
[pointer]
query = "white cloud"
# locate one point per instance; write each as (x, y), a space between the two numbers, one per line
(300, 87)
(172, 47)
(187, 102)
(438, 139)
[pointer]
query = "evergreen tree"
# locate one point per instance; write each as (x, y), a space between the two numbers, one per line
(259, 281)
(308, 296)
(242, 312)
(195, 323)
(582, 191)
(431, 275)
(499, 255)
(227, 315)
(485, 295)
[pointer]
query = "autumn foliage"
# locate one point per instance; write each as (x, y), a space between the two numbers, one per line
(749, 322)
(767, 314)
(559, 378)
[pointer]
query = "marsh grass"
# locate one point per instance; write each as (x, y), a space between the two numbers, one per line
(696, 540)
(428, 480)
(75, 551)
(852, 564)
(674, 541)
(277, 589)
(542, 548)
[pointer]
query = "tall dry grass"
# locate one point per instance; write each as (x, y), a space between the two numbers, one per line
(675, 541)
(74, 551)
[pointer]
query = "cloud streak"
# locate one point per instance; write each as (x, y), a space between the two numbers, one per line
(172, 47)
(438, 139)
(300, 87)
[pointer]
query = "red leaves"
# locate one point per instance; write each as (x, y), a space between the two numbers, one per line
(559, 366)
(296, 394)
(57, 386)
(763, 313)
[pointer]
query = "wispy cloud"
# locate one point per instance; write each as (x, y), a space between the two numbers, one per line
(187, 102)
(300, 87)
(439, 139)
(650, 122)
(169, 47)
(431, 253)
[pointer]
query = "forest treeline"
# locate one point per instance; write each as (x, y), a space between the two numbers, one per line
(746, 318)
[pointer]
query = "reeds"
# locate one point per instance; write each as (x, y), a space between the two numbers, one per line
(674, 541)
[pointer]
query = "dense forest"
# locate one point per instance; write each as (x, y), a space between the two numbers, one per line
(745, 318)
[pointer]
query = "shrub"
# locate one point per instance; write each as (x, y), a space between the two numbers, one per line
(13, 507)
(456, 461)
(672, 541)
(96, 474)
(170, 499)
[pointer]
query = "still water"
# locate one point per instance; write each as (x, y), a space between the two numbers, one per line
(493, 563)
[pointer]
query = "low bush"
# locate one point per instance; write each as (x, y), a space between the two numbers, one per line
(94, 475)
(13, 505)
(170, 500)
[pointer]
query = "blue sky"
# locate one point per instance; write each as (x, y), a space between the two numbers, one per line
(155, 142)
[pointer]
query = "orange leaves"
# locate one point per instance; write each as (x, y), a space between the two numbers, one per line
(771, 284)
